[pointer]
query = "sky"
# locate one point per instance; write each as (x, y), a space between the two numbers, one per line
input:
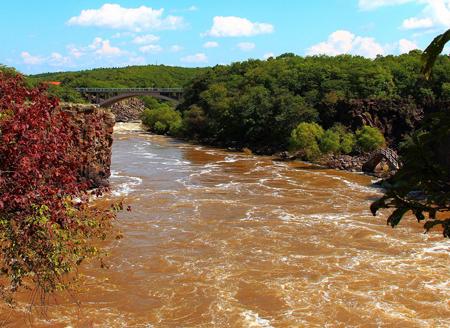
(66, 35)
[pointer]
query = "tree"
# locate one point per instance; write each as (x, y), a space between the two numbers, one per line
(422, 185)
(347, 140)
(162, 119)
(330, 142)
(306, 137)
(47, 227)
(369, 138)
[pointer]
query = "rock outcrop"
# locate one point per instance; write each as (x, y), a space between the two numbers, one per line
(382, 157)
(128, 110)
(97, 129)
(345, 162)
(394, 118)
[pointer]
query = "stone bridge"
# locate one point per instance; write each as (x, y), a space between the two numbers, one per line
(105, 97)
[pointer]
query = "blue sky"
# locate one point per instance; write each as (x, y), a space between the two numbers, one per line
(56, 35)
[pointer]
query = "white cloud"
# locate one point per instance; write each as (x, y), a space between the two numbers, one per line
(414, 22)
(246, 46)
(374, 4)
(150, 49)
(192, 8)
(30, 59)
(146, 39)
(75, 51)
(345, 42)
(210, 44)
(119, 35)
(268, 55)
(104, 48)
(176, 48)
(197, 58)
(135, 19)
(98, 47)
(232, 26)
(405, 46)
(435, 14)
(99, 52)
(56, 59)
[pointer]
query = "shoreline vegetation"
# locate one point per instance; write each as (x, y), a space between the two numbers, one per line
(315, 107)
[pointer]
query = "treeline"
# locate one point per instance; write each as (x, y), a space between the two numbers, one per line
(257, 104)
(125, 77)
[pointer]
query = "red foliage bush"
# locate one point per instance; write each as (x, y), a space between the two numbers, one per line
(44, 232)
(38, 162)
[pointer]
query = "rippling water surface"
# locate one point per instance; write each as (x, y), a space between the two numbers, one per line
(220, 239)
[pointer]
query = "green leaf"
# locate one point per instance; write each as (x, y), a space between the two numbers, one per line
(396, 216)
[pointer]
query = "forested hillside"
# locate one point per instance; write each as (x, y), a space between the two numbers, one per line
(125, 77)
(257, 104)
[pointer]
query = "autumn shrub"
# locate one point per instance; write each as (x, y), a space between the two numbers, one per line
(47, 225)
(369, 139)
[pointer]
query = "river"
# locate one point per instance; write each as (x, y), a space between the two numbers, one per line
(224, 239)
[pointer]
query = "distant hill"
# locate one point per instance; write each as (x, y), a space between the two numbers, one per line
(123, 77)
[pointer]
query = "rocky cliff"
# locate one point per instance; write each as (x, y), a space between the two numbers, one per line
(95, 141)
(128, 110)
(395, 118)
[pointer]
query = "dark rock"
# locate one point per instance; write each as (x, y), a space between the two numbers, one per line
(382, 160)
(101, 121)
(393, 117)
(128, 110)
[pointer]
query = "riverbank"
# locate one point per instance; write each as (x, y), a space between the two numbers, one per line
(339, 162)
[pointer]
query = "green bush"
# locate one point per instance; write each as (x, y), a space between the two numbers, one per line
(162, 120)
(445, 91)
(306, 137)
(314, 141)
(66, 94)
(194, 121)
(330, 142)
(160, 127)
(151, 102)
(347, 140)
(369, 139)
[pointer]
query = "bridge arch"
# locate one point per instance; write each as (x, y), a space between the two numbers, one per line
(110, 101)
(106, 97)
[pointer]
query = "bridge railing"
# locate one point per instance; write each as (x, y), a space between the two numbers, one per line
(121, 90)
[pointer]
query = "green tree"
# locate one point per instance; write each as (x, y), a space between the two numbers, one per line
(306, 137)
(330, 142)
(369, 138)
(445, 94)
(422, 185)
(348, 142)
(163, 119)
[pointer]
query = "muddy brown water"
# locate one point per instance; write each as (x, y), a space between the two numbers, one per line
(220, 239)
